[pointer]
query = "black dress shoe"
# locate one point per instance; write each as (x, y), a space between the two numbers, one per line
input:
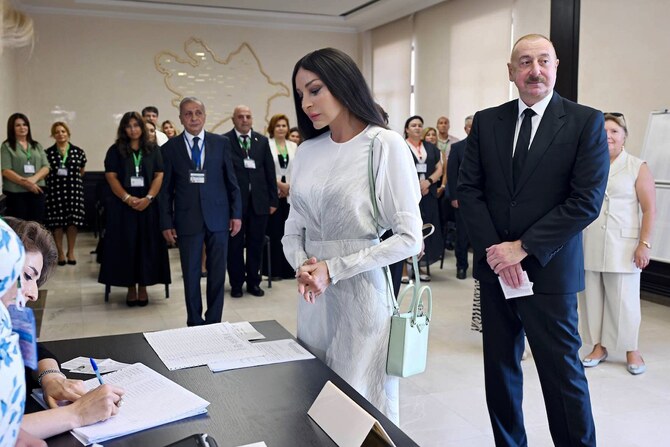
(61, 262)
(203, 274)
(255, 291)
(461, 273)
(72, 262)
(236, 293)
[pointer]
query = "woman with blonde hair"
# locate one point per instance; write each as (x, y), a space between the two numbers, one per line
(617, 247)
(65, 201)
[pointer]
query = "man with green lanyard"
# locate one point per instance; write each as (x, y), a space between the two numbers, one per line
(255, 172)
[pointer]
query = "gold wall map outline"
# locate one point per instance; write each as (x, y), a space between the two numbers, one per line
(220, 83)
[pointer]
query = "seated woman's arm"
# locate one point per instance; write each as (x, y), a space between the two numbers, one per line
(55, 385)
(97, 405)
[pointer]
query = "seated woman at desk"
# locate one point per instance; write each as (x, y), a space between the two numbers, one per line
(87, 407)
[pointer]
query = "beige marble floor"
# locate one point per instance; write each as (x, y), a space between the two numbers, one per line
(445, 406)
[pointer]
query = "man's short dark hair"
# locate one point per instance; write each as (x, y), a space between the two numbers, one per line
(147, 109)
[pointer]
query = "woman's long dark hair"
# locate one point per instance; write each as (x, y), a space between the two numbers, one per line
(122, 139)
(344, 81)
(11, 132)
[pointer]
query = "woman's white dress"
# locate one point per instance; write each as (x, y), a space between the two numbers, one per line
(332, 219)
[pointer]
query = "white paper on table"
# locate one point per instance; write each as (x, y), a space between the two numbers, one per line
(150, 400)
(255, 444)
(525, 289)
(278, 351)
(199, 345)
(82, 365)
(246, 330)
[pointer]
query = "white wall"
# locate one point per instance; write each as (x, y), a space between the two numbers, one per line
(91, 70)
(623, 61)
(462, 48)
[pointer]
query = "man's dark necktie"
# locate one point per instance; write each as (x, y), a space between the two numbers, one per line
(245, 142)
(195, 152)
(522, 145)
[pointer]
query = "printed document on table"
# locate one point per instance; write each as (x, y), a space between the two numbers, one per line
(246, 330)
(279, 351)
(199, 345)
(150, 400)
(82, 365)
(525, 289)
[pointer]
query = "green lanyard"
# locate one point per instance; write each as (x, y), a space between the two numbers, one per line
(137, 159)
(28, 153)
(282, 151)
(245, 143)
(64, 158)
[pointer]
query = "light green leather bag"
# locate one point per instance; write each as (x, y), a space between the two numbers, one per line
(408, 340)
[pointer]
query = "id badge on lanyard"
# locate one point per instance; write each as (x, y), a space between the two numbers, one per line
(197, 177)
(28, 168)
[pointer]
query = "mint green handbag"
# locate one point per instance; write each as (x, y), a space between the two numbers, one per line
(408, 340)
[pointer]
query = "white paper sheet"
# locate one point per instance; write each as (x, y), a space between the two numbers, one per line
(525, 289)
(246, 331)
(82, 365)
(199, 345)
(150, 400)
(278, 351)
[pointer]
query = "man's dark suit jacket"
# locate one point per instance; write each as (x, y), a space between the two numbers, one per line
(453, 165)
(263, 180)
(188, 207)
(559, 193)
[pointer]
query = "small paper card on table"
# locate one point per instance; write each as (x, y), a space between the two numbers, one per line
(344, 420)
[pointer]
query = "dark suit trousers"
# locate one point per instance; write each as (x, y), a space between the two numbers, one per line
(252, 236)
(550, 323)
(461, 246)
(190, 254)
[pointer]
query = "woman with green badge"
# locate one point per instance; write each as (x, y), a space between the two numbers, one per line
(65, 201)
(24, 167)
(134, 252)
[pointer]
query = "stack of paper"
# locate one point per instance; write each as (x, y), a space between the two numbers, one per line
(199, 345)
(150, 400)
(279, 351)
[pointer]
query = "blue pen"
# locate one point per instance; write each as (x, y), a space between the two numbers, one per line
(97, 372)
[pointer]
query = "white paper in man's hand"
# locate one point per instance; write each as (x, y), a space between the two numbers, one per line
(525, 289)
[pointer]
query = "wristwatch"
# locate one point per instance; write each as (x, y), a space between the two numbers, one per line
(525, 247)
(646, 244)
(430, 180)
(150, 197)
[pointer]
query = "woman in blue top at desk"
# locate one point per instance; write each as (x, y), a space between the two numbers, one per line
(134, 251)
(96, 405)
(24, 168)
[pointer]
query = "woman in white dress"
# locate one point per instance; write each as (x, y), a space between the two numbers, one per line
(617, 247)
(332, 236)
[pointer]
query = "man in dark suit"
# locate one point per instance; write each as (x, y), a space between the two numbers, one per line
(255, 171)
(453, 165)
(200, 202)
(530, 182)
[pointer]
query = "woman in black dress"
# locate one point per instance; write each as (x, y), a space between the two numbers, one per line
(65, 200)
(134, 252)
(429, 171)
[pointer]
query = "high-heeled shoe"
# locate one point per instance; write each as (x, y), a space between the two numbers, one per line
(142, 298)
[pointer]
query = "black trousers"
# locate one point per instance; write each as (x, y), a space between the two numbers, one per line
(190, 255)
(461, 246)
(550, 323)
(26, 205)
(250, 236)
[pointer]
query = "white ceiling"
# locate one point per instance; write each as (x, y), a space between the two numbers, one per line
(324, 15)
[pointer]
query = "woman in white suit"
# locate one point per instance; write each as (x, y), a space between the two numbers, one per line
(617, 247)
(283, 151)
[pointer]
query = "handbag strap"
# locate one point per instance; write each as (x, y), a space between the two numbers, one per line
(375, 211)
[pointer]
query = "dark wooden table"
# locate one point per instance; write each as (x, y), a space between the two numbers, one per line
(267, 403)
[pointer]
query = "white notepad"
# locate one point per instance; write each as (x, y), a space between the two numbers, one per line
(199, 345)
(150, 400)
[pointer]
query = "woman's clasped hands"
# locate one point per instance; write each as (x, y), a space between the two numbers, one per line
(313, 279)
